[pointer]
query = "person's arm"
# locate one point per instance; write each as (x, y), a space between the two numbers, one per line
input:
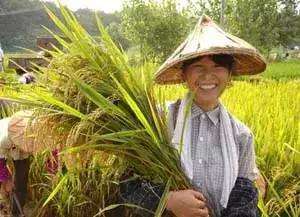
(5, 144)
(5, 178)
(243, 198)
(4, 172)
(141, 193)
(146, 195)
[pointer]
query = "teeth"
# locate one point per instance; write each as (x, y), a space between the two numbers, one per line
(208, 86)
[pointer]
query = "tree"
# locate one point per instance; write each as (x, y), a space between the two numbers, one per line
(22, 28)
(13, 5)
(158, 28)
(210, 8)
(20, 23)
(115, 31)
(256, 21)
(289, 22)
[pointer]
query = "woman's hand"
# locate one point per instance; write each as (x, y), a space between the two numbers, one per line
(187, 203)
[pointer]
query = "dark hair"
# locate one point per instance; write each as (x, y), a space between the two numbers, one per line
(224, 60)
(27, 78)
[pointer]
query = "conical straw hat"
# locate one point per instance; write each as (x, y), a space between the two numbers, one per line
(23, 133)
(209, 39)
(31, 134)
(18, 131)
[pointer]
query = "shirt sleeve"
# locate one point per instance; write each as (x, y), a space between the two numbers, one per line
(4, 173)
(172, 116)
(170, 120)
(141, 193)
(243, 200)
(247, 164)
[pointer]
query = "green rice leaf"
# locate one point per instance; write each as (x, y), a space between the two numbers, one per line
(163, 200)
(113, 206)
(56, 190)
(137, 111)
(98, 99)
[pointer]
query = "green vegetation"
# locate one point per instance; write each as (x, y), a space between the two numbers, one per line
(284, 70)
(20, 30)
(90, 101)
(144, 23)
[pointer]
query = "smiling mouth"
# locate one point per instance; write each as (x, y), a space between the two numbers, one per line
(207, 86)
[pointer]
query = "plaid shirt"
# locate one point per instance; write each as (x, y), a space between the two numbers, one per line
(207, 154)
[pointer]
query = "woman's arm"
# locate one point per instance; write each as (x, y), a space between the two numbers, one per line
(141, 193)
(4, 173)
(6, 182)
(145, 194)
(242, 200)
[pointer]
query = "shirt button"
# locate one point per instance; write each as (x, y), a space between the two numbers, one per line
(201, 139)
(200, 161)
(203, 116)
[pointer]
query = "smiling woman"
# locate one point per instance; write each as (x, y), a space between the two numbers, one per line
(216, 150)
(208, 77)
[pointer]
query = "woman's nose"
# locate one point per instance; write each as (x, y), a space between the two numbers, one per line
(206, 75)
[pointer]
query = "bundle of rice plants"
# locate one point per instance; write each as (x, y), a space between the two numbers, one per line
(93, 97)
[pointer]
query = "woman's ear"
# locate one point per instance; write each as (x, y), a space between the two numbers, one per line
(183, 76)
(229, 82)
(230, 75)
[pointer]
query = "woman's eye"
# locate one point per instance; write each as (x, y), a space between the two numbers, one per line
(198, 69)
(219, 68)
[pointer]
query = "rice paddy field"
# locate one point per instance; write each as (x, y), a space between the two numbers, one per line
(85, 111)
(280, 71)
(270, 108)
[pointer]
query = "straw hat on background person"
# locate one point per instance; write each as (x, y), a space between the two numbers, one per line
(209, 39)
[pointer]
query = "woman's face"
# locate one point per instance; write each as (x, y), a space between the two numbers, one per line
(207, 79)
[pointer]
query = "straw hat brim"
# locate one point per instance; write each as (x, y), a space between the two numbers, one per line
(206, 39)
(247, 62)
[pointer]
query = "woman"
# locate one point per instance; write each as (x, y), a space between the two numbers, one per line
(12, 136)
(208, 77)
(16, 186)
(11, 128)
(218, 151)
(17, 142)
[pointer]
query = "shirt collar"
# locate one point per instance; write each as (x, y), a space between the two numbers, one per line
(213, 115)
